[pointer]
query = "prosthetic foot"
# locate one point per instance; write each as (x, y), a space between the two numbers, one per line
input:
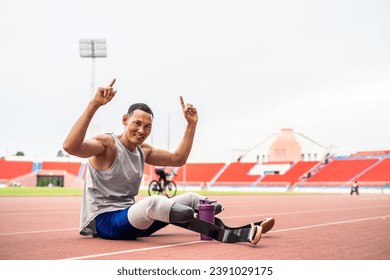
(267, 224)
(255, 234)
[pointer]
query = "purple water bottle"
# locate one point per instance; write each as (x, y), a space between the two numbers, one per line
(206, 213)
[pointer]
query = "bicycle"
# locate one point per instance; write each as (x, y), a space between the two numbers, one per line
(156, 187)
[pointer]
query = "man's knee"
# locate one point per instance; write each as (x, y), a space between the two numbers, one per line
(157, 206)
(189, 199)
(142, 214)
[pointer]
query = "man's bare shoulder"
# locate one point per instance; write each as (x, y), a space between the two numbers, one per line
(105, 139)
(104, 160)
(146, 148)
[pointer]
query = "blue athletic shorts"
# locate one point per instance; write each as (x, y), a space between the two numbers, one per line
(115, 225)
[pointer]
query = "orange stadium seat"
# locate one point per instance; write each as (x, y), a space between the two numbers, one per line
(237, 173)
(292, 175)
(70, 167)
(341, 170)
(378, 173)
(198, 173)
(12, 169)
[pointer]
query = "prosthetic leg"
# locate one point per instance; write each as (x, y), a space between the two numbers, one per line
(219, 231)
(155, 212)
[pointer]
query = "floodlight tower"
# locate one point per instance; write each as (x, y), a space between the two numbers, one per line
(93, 48)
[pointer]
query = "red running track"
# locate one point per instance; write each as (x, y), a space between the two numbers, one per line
(308, 227)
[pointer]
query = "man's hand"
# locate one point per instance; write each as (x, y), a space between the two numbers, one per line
(104, 94)
(190, 113)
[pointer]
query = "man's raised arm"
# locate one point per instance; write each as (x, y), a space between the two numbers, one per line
(75, 143)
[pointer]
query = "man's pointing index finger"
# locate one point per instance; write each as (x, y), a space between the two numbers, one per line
(112, 83)
(182, 102)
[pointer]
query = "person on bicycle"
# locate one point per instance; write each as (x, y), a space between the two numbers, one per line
(160, 171)
(116, 167)
(163, 176)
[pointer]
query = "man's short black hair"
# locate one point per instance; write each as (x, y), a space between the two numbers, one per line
(139, 106)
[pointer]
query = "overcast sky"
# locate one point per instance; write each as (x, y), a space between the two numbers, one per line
(251, 68)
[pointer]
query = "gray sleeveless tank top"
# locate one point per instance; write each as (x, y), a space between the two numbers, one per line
(112, 189)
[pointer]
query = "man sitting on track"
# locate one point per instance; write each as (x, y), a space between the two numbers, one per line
(115, 170)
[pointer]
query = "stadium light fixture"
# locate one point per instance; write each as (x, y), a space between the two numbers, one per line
(93, 48)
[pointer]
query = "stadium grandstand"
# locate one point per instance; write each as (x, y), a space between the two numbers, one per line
(286, 167)
(58, 172)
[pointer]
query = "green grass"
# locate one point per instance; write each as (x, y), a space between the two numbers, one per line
(39, 191)
(209, 193)
(56, 191)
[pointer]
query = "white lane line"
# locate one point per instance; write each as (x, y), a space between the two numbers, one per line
(134, 250)
(200, 241)
(37, 231)
(331, 224)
